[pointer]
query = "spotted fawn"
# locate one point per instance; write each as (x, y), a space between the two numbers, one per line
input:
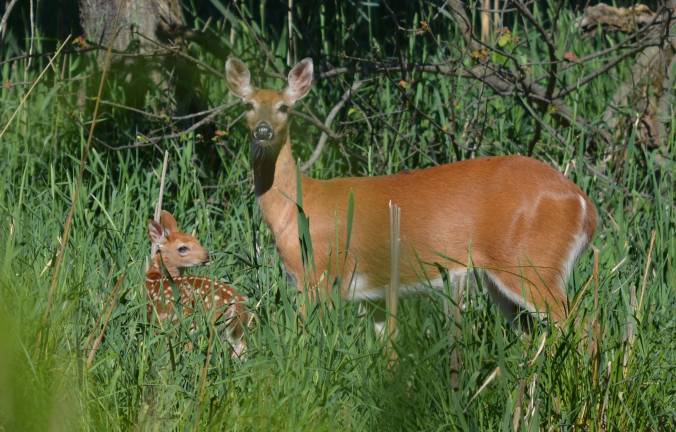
(176, 250)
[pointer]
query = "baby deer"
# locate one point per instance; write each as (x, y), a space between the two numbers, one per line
(177, 250)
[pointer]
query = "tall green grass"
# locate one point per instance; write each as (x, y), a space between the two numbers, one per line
(326, 371)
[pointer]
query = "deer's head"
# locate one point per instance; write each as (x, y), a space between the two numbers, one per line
(177, 250)
(267, 116)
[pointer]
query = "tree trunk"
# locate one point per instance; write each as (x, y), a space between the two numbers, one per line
(146, 36)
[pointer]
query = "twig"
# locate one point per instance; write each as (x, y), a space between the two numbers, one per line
(327, 124)
(132, 109)
(541, 123)
(333, 72)
(531, 402)
(180, 53)
(602, 70)
(316, 122)
(453, 309)
(644, 282)
(630, 329)
(5, 17)
(411, 102)
(516, 416)
(393, 291)
(160, 116)
(48, 54)
(553, 68)
(541, 347)
(551, 47)
(593, 337)
(505, 82)
(489, 379)
(626, 44)
(197, 36)
(485, 20)
(639, 308)
(290, 49)
(110, 307)
(463, 23)
(148, 141)
(203, 376)
(158, 207)
(262, 45)
(31, 15)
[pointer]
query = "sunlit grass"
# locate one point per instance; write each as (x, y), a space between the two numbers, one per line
(326, 371)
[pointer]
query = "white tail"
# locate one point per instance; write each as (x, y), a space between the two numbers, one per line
(516, 218)
(177, 250)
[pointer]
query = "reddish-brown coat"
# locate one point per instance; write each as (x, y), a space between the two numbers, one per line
(219, 300)
(517, 218)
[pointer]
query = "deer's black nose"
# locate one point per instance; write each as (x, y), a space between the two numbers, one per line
(263, 131)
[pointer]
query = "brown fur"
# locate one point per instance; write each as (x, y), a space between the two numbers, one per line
(225, 302)
(516, 217)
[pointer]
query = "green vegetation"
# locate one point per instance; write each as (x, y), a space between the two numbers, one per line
(328, 371)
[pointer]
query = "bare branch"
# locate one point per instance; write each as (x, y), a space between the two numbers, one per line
(505, 82)
(553, 68)
(316, 122)
(110, 305)
(327, 124)
(5, 17)
(464, 24)
(206, 120)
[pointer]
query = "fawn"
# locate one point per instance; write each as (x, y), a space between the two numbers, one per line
(515, 218)
(177, 250)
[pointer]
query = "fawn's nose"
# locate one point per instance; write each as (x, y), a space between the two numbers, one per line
(263, 131)
(207, 258)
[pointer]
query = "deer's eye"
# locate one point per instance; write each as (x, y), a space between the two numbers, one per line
(248, 106)
(183, 250)
(284, 109)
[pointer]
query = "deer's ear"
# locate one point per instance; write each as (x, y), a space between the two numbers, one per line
(155, 232)
(168, 222)
(238, 78)
(299, 81)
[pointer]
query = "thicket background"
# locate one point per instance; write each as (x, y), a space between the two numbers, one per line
(416, 102)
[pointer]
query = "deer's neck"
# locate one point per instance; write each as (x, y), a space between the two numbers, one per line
(276, 185)
(154, 272)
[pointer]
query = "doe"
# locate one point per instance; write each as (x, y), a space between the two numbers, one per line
(517, 219)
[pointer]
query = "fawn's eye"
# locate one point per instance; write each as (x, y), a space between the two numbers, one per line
(183, 250)
(283, 109)
(248, 106)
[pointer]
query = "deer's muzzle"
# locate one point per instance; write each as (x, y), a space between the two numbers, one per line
(263, 131)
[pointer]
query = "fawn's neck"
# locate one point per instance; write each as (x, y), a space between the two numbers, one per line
(154, 272)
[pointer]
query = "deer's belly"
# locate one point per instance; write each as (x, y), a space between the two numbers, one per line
(361, 289)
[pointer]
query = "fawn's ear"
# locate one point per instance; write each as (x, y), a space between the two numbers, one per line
(155, 232)
(239, 78)
(168, 222)
(299, 81)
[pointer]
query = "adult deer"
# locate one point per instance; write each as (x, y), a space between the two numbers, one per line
(519, 220)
